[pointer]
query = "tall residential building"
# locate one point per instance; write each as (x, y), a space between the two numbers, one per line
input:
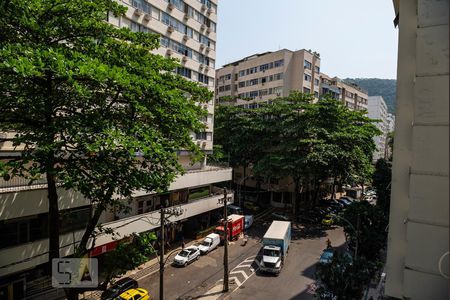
(351, 95)
(418, 241)
(391, 122)
(261, 77)
(188, 32)
(377, 109)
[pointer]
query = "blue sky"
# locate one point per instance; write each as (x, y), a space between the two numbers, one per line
(355, 38)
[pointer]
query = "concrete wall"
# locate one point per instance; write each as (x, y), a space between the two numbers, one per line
(418, 228)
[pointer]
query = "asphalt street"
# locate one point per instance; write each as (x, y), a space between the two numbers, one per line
(296, 280)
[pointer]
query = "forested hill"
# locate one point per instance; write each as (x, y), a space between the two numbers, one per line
(379, 87)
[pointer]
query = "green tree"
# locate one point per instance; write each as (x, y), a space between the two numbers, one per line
(382, 178)
(341, 279)
(91, 107)
(286, 139)
(237, 132)
(128, 255)
(367, 229)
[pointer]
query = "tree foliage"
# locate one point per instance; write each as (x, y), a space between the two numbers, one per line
(343, 278)
(382, 178)
(90, 106)
(368, 228)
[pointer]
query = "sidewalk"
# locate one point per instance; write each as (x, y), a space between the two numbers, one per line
(144, 270)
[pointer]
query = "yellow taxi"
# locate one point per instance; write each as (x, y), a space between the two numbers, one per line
(135, 294)
(327, 220)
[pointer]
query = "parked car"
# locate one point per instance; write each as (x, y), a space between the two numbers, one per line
(118, 288)
(344, 201)
(234, 210)
(281, 216)
(328, 220)
(248, 221)
(327, 256)
(135, 294)
(186, 256)
(210, 243)
(347, 198)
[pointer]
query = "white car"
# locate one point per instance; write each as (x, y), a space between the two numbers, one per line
(186, 256)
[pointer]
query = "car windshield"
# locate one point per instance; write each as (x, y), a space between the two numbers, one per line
(206, 243)
(184, 253)
(273, 253)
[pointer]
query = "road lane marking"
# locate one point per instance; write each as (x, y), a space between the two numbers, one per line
(240, 272)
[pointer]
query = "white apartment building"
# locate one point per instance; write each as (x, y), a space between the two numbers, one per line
(188, 32)
(261, 77)
(391, 122)
(417, 264)
(377, 109)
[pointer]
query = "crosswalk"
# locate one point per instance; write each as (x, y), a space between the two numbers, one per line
(238, 275)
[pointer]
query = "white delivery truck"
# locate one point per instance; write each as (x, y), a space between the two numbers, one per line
(275, 246)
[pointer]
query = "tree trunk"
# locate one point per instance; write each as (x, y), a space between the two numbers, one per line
(333, 192)
(82, 246)
(362, 190)
(53, 216)
(316, 192)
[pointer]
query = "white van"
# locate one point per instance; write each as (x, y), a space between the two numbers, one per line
(210, 242)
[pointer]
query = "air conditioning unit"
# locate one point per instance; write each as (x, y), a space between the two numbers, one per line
(170, 6)
(186, 17)
(185, 37)
(138, 12)
(205, 106)
(147, 17)
(202, 46)
(169, 52)
(199, 143)
(263, 83)
(278, 94)
(208, 30)
(204, 7)
(201, 66)
(170, 29)
(209, 11)
(203, 144)
(203, 27)
(208, 49)
(184, 59)
(206, 68)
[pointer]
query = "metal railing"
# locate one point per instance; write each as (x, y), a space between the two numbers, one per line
(19, 183)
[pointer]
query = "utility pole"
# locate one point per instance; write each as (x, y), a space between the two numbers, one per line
(225, 242)
(161, 255)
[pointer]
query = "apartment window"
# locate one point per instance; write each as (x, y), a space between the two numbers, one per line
(316, 95)
(278, 91)
(228, 77)
(254, 81)
(270, 78)
(263, 92)
(316, 81)
(242, 84)
(241, 73)
(265, 67)
(252, 70)
(306, 90)
(307, 65)
(184, 72)
(349, 95)
(221, 89)
(278, 63)
(145, 205)
(316, 69)
(135, 27)
(253, 94)
(263, 79)
(228, 87)
(203, 78)
(142, 5)
(307, 77)
(278, 76)
(200, 136)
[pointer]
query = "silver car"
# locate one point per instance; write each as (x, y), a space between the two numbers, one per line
(186, 256)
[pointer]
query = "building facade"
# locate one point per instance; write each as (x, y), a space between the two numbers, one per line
(377, 109)
(188, 33)
(418, 241)
(351, 95)
(261, 77)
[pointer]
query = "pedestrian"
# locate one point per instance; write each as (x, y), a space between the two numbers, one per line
(328, 243)
(182, 244)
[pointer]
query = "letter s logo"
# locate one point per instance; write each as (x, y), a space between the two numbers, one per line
(63, 274)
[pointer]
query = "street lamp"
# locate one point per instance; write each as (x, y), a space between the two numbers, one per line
(353, 228)
(225, 240)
